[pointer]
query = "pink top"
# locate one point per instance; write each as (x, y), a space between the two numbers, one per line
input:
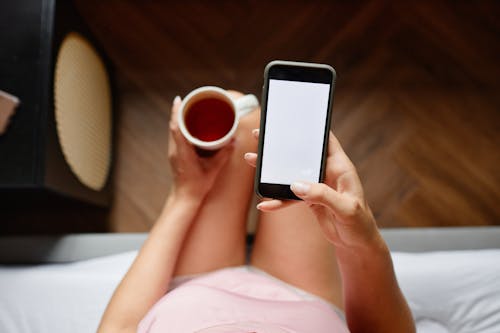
(239, 300)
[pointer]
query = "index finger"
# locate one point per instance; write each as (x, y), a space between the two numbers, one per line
(336, 151)
(340, 169)
(175, 110)
(334, 146)
(173, 122)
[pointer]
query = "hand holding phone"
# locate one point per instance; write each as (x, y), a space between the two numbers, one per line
(288, 168)
(338, 203)
(295, 121)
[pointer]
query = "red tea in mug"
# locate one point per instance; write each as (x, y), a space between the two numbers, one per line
(209, 119)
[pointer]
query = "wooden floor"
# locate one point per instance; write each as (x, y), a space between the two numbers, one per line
(417, 102)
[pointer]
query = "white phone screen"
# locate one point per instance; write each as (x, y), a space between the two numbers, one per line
(294, 131)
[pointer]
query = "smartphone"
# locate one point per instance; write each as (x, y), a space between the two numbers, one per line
(297, 102)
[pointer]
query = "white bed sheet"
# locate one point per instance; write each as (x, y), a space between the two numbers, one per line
(60, 297)
(455, 291)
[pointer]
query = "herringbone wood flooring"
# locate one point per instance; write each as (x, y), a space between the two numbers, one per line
(417, 104)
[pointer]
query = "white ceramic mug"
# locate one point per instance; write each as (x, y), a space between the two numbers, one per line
(239, 106)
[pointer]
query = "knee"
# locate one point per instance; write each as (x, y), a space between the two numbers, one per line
(235, 94)
(249, 121)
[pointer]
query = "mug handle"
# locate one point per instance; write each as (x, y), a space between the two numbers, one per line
(246, 104)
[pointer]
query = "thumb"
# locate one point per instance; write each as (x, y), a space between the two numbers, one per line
(322, 194)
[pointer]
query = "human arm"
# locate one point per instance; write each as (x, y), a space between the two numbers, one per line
(373, 301)
(149, 276)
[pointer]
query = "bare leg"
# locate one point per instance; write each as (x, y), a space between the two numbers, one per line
(290, 245)
(217, 237)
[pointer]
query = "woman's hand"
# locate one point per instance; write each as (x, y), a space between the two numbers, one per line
(338, 204)
(193, 175)
(373, 301)
(151, 272)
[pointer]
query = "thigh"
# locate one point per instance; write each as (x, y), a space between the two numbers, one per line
(290, 245)
(217, 236)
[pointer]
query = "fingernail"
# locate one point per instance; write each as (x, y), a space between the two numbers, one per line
(259, 206)
(255, 132)
(177, 99)
(300, 188)
(248, 155)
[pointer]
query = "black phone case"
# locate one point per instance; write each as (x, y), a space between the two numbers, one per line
(284, 191)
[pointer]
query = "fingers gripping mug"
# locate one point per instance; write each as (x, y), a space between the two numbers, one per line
(208, 117)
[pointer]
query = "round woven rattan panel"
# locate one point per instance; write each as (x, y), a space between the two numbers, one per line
(82, 98)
